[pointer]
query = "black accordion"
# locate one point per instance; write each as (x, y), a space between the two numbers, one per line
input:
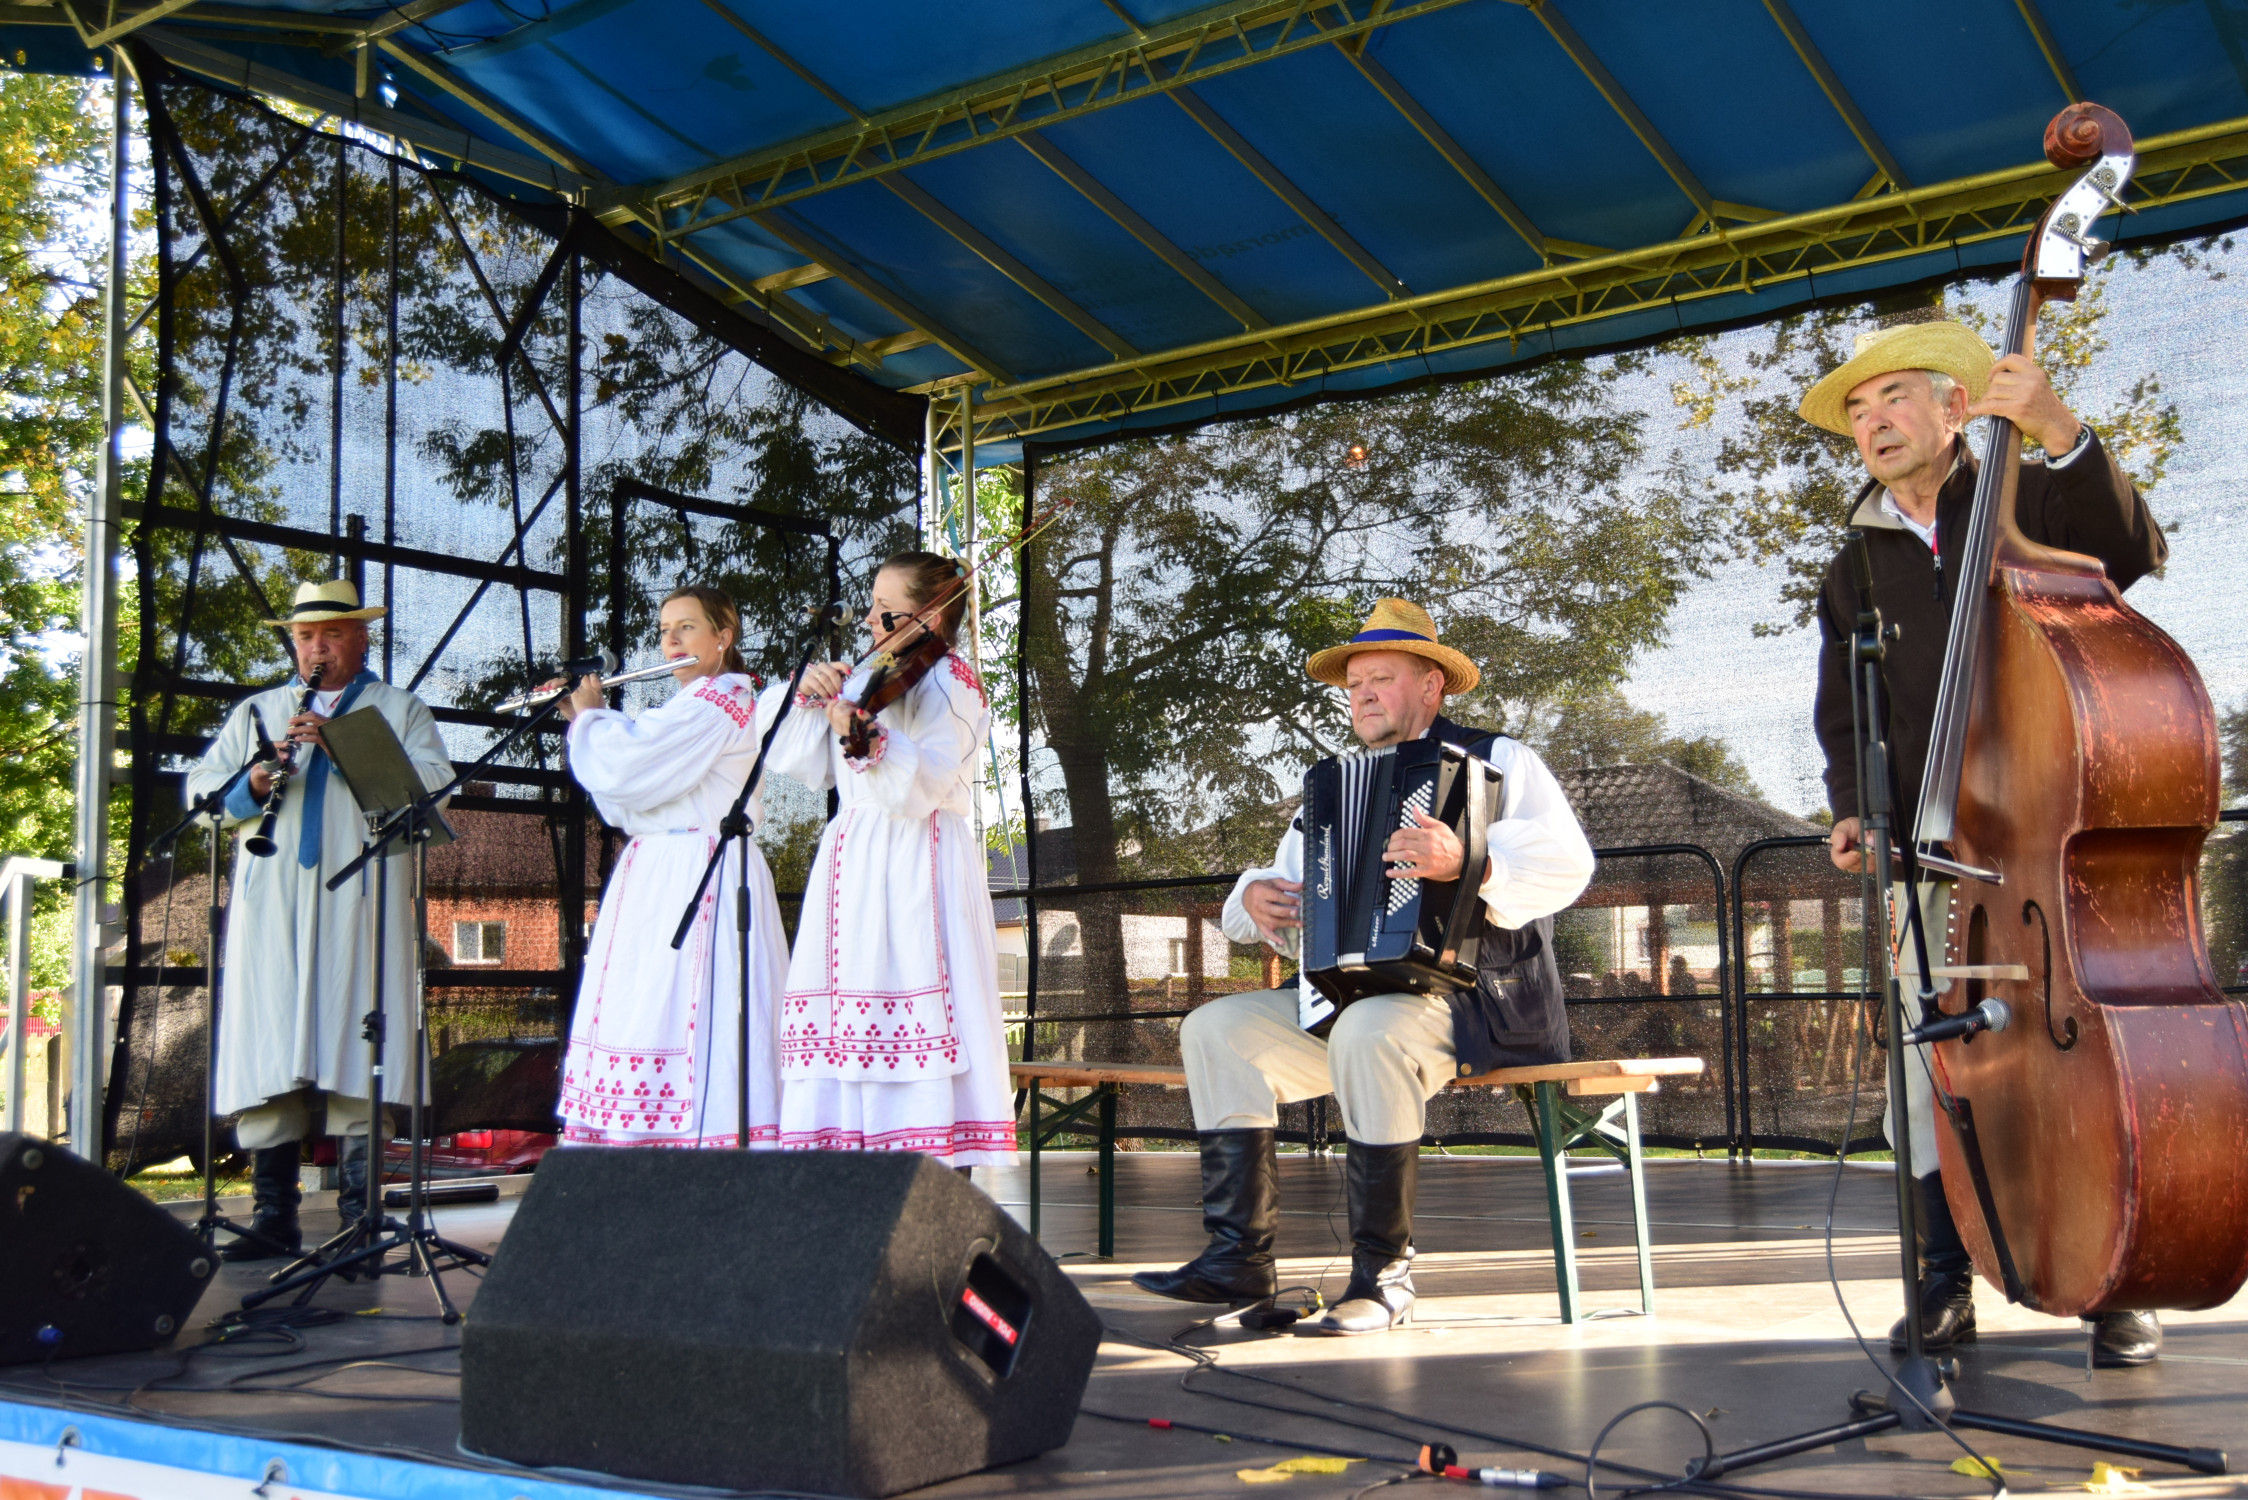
(1365, 932)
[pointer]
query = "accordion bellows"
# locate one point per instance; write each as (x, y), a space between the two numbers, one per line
(1366, 932)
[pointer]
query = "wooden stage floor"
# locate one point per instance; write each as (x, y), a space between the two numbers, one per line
(1747, 1333)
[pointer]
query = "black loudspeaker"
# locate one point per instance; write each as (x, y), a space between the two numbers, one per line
(854, 1323)
(87, 1265)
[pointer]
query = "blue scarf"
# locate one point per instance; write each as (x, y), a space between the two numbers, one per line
(316, 780)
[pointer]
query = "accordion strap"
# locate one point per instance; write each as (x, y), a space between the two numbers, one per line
(1477, 851)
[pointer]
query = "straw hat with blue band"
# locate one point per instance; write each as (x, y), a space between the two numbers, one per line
(1944, 345)
(1397, 625)
(334, 600)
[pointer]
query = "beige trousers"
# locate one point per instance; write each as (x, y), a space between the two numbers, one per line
(1920, 1091)
(289, 1118)
(1383, 1060)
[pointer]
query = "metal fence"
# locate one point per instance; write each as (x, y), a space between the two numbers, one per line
(1760, 969)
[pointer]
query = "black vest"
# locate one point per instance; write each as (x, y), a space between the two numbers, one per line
(1515, 1016)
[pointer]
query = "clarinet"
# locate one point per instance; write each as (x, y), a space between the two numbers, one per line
(261, 843)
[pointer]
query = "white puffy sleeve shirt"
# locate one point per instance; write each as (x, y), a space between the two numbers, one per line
(675, 767)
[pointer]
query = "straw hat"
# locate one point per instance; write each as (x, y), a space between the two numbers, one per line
(334, 600)
(1396, 625)
(1950, 347)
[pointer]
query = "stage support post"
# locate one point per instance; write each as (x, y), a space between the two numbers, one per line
(97, 674)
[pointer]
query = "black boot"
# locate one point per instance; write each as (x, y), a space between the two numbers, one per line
(1240, 1210)
(274, 1195)
(1947, 1275)
(2123, 1339)
(1380, 1181)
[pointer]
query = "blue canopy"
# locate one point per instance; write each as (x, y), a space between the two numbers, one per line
(1079, 218)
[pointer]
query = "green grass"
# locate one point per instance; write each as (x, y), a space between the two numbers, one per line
(177, 1180)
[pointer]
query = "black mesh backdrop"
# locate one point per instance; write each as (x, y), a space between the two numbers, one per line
(370, 368)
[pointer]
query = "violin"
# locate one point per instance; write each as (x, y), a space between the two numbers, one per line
(2091, 1152)
(883, 677)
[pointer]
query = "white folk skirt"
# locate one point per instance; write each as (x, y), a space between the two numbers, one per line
(654, 1050)
(891, 1034)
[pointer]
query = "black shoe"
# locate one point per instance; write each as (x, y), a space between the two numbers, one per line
(1380, 1181)
(1947, 1312)
(1240, 1210)
(274, 1195)
(2123, 1339)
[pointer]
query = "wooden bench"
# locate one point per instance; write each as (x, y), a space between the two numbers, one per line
(1545, 1091)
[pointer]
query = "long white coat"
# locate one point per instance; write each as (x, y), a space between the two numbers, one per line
(299, 964)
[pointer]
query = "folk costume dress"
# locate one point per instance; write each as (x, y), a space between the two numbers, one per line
(654, 1057)
(891, 1037)
(300, 960)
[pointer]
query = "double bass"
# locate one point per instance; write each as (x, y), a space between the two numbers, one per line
(2091, 1151)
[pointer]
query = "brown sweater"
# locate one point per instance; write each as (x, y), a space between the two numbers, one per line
(2089, 506)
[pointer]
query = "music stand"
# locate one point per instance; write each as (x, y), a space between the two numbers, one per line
(385, 783)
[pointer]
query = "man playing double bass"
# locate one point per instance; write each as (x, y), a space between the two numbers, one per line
(1904, 397)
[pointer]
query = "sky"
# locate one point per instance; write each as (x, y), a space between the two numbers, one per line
(2182, 325)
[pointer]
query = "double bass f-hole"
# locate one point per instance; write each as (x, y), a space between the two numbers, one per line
(2065, 1038)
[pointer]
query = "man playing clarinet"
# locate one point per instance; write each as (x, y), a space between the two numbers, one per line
(1386, 1055)
(1904, 397)
(300, 960)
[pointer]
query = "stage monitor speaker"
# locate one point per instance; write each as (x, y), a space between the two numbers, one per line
(87, 1265)
(854, 1323)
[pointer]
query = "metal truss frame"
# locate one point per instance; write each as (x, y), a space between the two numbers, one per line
(2173, 169)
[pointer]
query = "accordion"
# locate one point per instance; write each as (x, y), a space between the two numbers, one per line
(1365, 932)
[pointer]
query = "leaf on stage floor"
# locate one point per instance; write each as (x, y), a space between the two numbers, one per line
(1979, 1468)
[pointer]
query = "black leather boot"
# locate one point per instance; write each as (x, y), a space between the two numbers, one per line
(1947, 1275)
(274, 1195)
(1240, 1210)
(2123, 1339)
(1380, 1181)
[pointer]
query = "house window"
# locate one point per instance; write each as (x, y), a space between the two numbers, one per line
(479, 942)
(1178, 958)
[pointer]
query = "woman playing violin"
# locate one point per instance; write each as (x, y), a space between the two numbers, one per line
(891, 1037)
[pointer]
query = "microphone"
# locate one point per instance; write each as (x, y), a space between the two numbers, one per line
(1991, 1015)
(604, 664)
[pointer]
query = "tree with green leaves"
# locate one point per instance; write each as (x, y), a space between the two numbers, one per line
(1168, 615)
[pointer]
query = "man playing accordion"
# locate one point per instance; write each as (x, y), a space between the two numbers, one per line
(1386, 1055)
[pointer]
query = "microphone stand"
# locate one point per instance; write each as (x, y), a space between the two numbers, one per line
(213, 806)
(1923, 1401)
(736, 825)
(375, 1235)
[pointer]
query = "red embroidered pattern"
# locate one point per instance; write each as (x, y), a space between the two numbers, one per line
(931, 1140)
(967, 676)
(605, 1089)
(726, 698)
(847, 1030)
(881, 741)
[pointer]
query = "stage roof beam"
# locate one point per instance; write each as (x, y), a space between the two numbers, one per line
(2176, 168)
(2063, 74)
(1708, 209)
(1389, 281)
(1830, 85)
(805, 243)
(1140, 229)
(476, 99)
(1008, 266)
(1201, 44)
(115, 27)
(1457, 157)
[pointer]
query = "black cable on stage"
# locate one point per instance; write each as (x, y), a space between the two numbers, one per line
(1592, 1458)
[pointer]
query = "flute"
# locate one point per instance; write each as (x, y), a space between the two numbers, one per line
(261, 843)
(643, 674)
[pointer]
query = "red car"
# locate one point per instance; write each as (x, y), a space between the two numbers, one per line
(473, 1153)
